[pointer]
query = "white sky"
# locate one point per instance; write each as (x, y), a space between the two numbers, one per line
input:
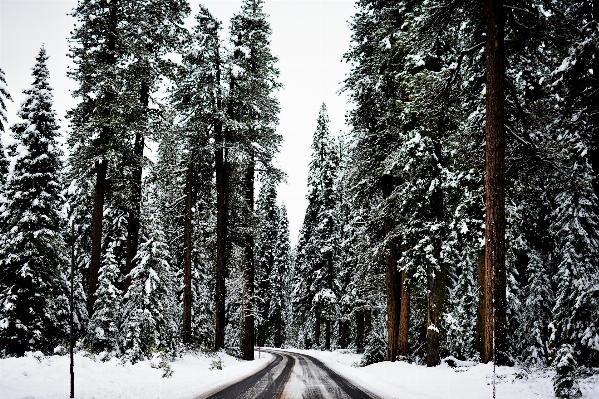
(309, 38)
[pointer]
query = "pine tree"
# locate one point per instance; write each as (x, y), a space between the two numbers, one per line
(199, 100)
(253, 113)
(318, 236)
(4, 95)
(32, 252)
(150, 311)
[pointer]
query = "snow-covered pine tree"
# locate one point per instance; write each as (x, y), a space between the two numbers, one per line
(253, 113)
(150, 312)
(279, 316)
(197, 96)
(104, 330)
(100, 131)
(267, 213)
(272, 266)
(33, 291)
(4, 96)
(575, 214)
(151, 29)
(377, 59)
(316, 289)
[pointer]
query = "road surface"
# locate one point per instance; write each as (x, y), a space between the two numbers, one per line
(294, 376)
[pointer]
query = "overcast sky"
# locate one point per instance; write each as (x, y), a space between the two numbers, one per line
(309, 38)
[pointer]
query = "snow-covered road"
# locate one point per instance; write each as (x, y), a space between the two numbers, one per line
(293, 376)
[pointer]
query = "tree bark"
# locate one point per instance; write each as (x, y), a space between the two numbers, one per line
(248, 335)
(495, 277)
(480, 310)
(317, 331)
(327, 334)
(222, 217)
(135, 207)
(97, 221)
(187, 248)
(360, 331)
(392, 283)
(404, 318)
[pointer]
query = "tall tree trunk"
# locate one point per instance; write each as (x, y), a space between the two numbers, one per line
(480, 310)
(404, 318)
(101, 170)
(135, 207)
(97, 221)
(327, 334)
(317, 331)
(495, 278)
(594, 113)
(360, 331)
(187, 248)
(222, 218)
(392, 283)
(248, 327)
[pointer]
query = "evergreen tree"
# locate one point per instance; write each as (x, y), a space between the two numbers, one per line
(32, 252)
(253, 116)
(4, 95)
(317, 290)
(197, 97)
(151, 312)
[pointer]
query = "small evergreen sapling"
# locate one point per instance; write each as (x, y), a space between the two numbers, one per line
(565, 384)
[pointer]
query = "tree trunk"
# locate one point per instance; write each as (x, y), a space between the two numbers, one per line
(480, 310)
(101, 170)
(495, 281)
(404, 318)
(432, 329)
(248, 339)
(327, 334)
(367, 324)
(317, 331)
(187, 248)
(222, 216)
(360, 331)
(97, 220)
(392, 283)
(135, 206)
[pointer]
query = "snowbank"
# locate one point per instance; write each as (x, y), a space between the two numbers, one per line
(48, 378)
(410, 381)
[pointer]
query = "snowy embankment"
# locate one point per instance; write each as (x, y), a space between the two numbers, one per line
(409, 381)
(48, 377)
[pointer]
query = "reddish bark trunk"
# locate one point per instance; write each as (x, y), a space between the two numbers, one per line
(392, 283)
(495, 276)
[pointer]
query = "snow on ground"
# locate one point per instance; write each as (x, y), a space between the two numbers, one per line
(48, 377)
(409, 381)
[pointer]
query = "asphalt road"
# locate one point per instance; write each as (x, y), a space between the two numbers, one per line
(294, 376)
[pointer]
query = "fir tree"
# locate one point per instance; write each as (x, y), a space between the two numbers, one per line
(318, 236)
(32, 252)
(253, 116)
(4, 95)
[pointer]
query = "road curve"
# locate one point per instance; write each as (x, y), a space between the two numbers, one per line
(294, 376)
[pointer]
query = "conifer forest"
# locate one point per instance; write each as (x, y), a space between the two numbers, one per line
(458, 216)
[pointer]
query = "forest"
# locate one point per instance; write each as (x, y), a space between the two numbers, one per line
(456, 218)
